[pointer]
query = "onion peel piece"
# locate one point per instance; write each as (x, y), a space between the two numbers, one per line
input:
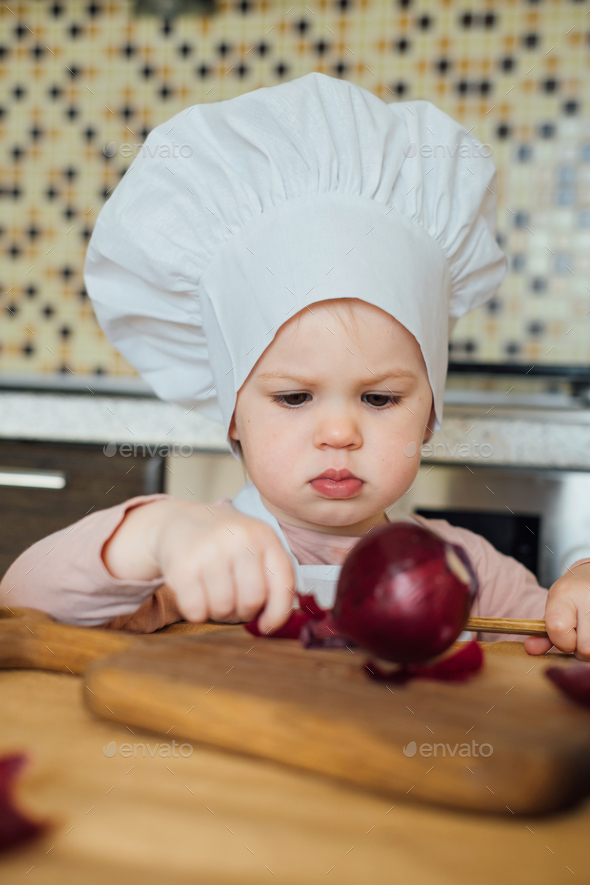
(574, 681)
(291, 629)
(456, 667)
(15, 827)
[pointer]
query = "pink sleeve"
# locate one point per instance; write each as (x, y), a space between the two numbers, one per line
(506, 588)
(65, 576)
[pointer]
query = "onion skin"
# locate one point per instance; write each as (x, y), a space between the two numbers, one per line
(15, 827)
(398, 597)
(292, 628)
(456, 667)
(573, 681)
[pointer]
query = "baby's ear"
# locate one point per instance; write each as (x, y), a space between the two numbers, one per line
(428, 432)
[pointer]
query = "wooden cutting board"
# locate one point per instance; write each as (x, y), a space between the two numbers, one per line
(316, 709)
(30, 638)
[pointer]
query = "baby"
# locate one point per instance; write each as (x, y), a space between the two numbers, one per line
(343, 388)
(294, 275)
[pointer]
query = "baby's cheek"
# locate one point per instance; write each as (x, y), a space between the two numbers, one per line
(407, 471)
(404, 452)
(400, 466)
(274, 449)
(269, 461)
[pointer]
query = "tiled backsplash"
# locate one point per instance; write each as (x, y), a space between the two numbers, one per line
(77, 77)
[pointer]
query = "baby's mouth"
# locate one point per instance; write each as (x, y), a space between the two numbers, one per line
(337, 484)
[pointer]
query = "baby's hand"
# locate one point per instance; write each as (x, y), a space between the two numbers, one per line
(567, 616)
(221, 564)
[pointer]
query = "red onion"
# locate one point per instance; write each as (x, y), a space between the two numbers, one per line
(404, 593)
(573, 681)
(15, 828)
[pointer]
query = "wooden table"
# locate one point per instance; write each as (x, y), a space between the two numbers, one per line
(214, 818)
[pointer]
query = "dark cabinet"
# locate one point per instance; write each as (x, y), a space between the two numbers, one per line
(47, 486)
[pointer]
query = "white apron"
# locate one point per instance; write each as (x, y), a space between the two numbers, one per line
(318, 580)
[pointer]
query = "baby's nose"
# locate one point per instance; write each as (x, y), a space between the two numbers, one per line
(337, 428)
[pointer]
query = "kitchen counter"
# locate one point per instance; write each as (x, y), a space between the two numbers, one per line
(219, 818)
(482, 435)
(95, 418)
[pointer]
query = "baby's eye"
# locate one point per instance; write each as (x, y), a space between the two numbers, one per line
(380, 400)
(286, 399)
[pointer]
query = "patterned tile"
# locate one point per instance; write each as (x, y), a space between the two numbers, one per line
(76, 76)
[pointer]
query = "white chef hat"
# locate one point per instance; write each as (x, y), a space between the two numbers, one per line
(236, 215)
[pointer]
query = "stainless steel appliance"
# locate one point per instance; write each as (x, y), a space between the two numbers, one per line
(541, 517)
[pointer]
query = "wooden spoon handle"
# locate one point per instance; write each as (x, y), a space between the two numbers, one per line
(507, 625)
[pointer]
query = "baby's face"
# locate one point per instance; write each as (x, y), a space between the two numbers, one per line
(321, 397)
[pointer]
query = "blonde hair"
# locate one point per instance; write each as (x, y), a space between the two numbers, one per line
(336, 306)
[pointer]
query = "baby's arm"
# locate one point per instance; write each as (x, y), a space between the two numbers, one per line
(509, 590)
(65, 576)
(173, 558)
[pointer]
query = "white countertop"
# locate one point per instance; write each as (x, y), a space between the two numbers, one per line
(481, 436)
(86, 418)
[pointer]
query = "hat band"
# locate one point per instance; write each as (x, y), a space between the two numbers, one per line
(315, 248)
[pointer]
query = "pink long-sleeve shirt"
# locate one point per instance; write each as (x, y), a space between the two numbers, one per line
(65, 575)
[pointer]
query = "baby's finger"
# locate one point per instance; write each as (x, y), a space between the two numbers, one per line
(191, 599)
(251, 584)
(220, 590)
(537, 645)
(280, 579)
(583, 636)
(560, 620)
